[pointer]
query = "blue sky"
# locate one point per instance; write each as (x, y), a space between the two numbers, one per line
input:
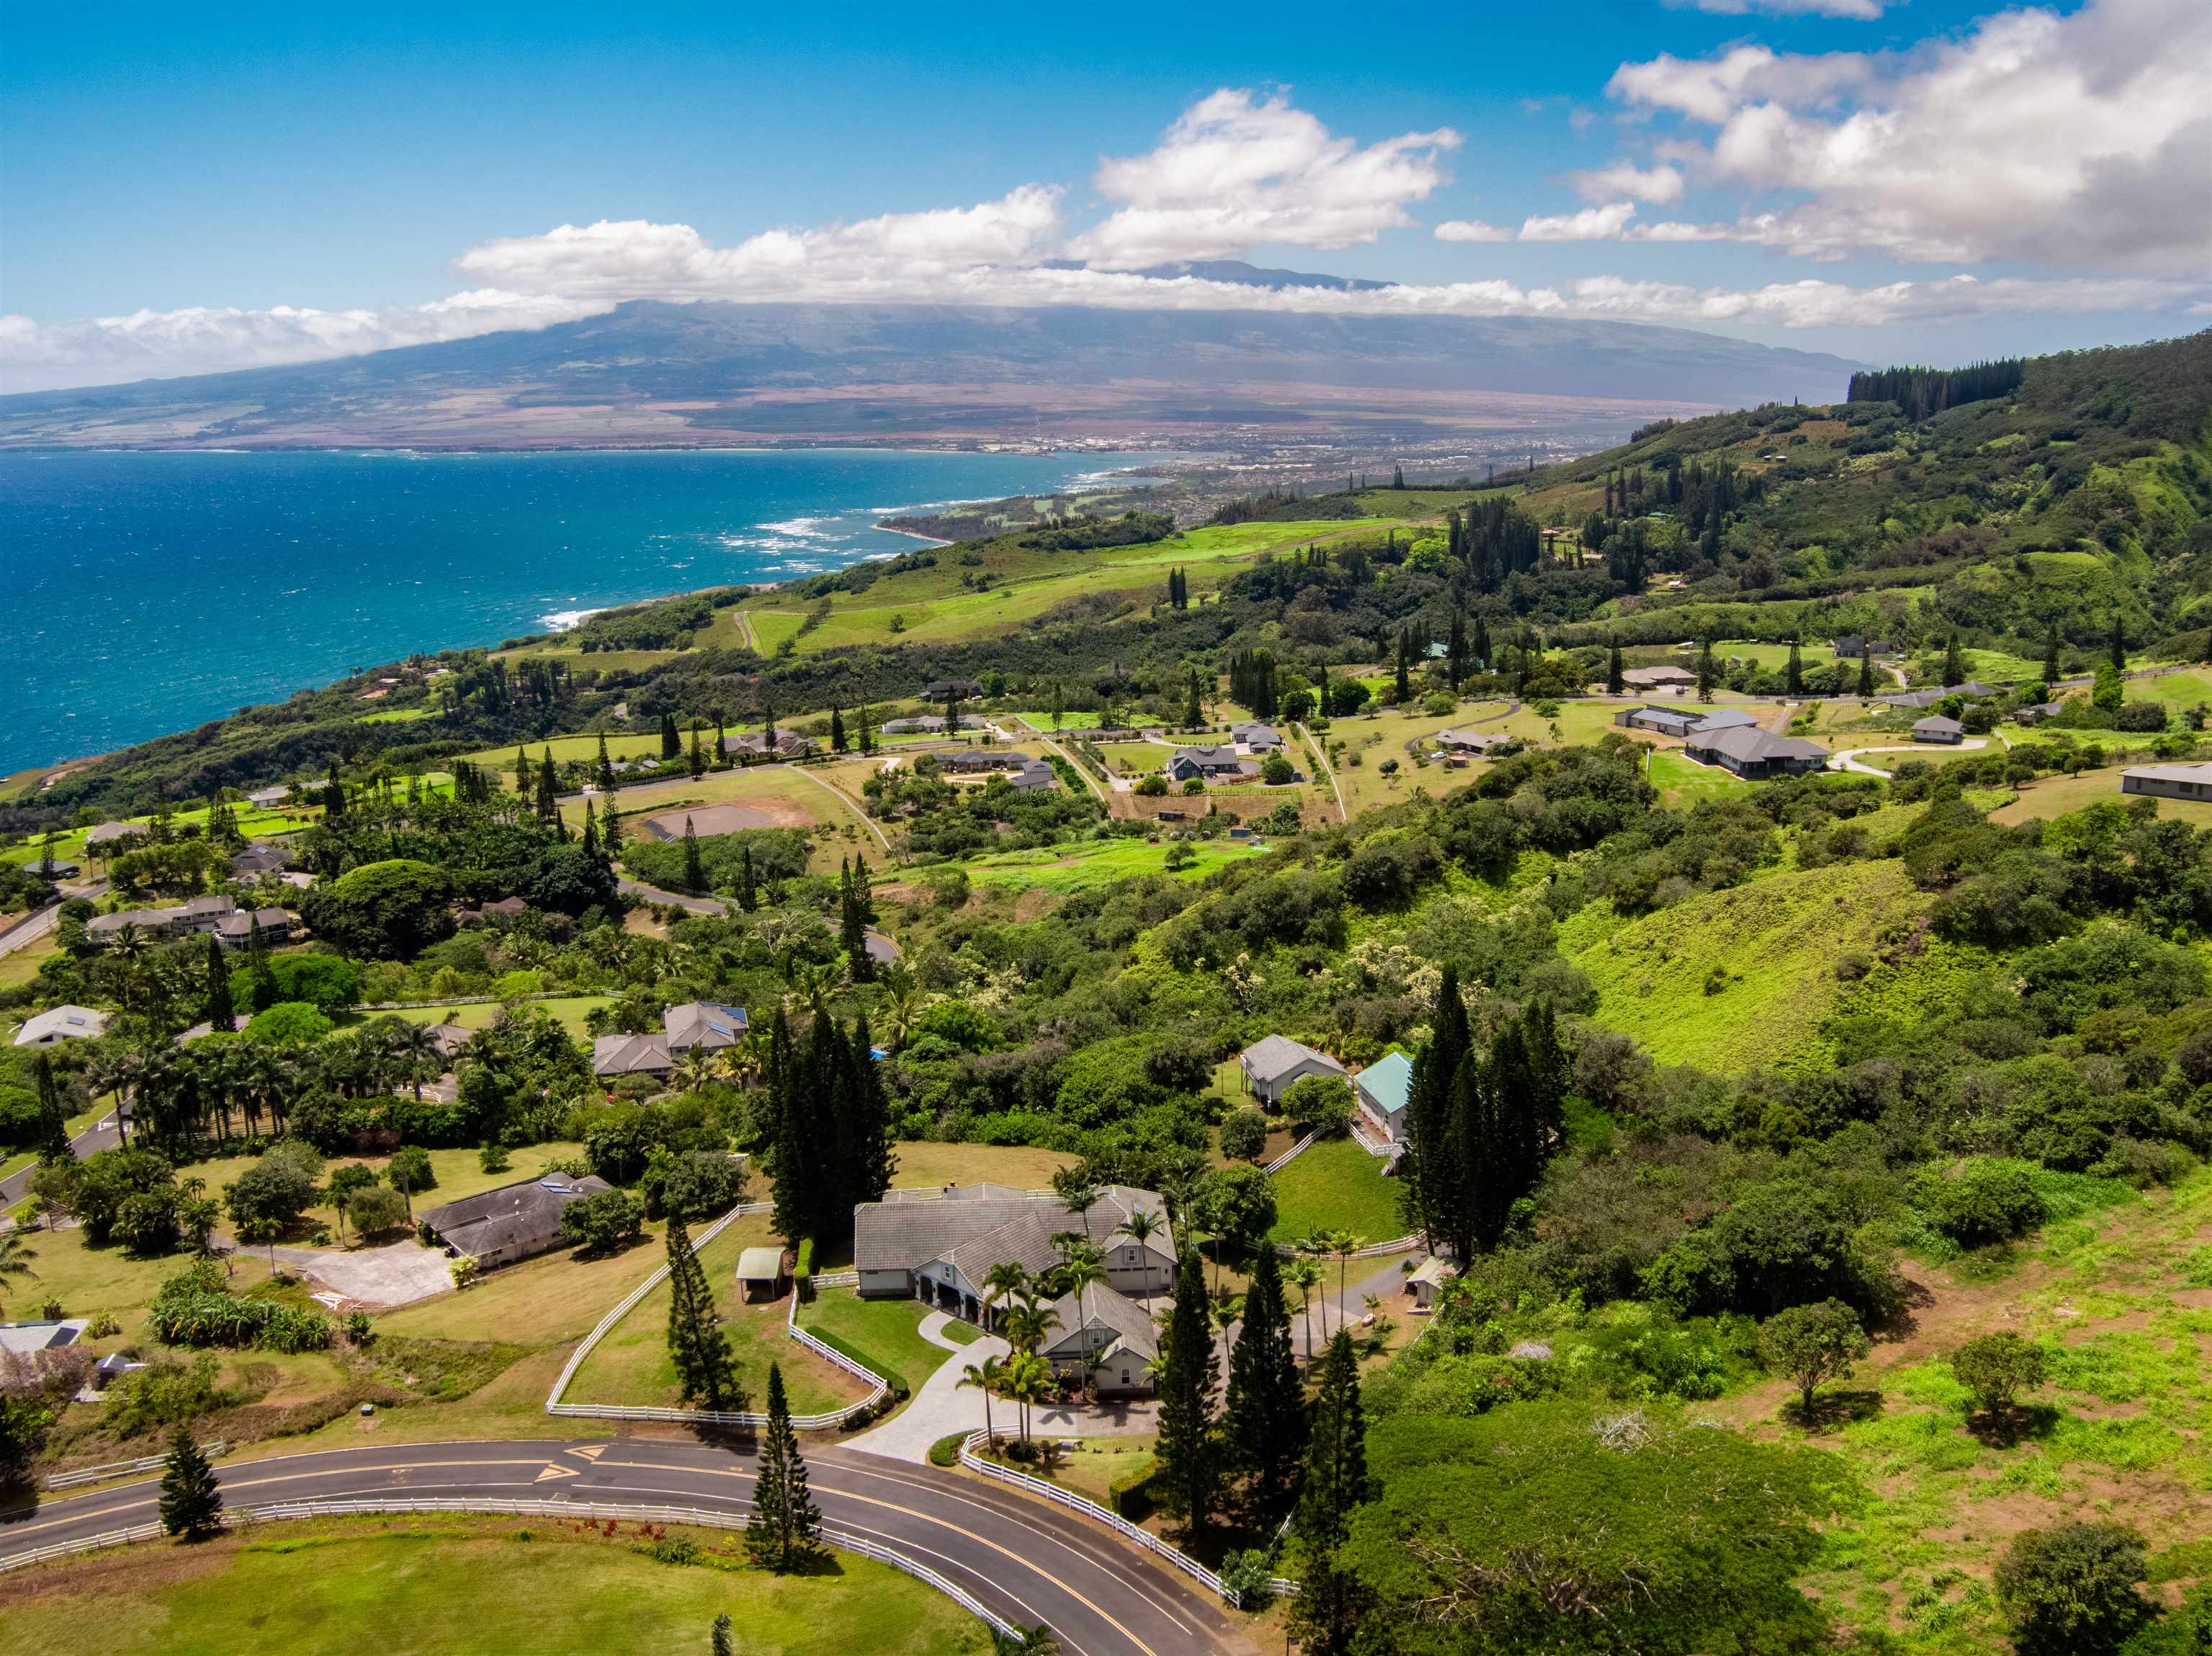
(225, 170)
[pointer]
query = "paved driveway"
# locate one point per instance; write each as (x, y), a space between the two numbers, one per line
(938, 1407)
(397, 1275)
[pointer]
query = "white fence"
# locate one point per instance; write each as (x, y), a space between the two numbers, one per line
(1292, 1154)
(121, 1468)
(694, 1516)
(1091, 1509)
(706, 1416)
(1372, 1250)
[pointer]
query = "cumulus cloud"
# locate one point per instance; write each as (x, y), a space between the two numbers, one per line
(1660, 184)
(1237, 171)
(2081, 141)
(1471, 230)
(1592, 224)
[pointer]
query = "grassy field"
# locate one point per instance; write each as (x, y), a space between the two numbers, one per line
(91, 1281)
(567, 1010)
(631, 1365)
(1134, 758)
(1683, 781)
(884, 1334)
(1070, 719)
(1377, 737)
(1738, 979)
(1099, 862)
(2055, 796)
(567, 749)
(925, 1164)
(397, 715)
(463, 1586)
(253, 822)
(1336, 1186)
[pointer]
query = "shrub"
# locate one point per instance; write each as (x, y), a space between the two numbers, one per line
(2071, 1590)
(376, 1208)
(601, 1223)
(1243, 1135)
(1152, 786)
(289, 1023)
(1997, 1367)
(1320, 1104)
(1989, 1200)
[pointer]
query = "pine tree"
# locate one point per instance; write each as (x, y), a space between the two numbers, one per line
(867, 740)
(951, 709)
(590, 831)
(1336, 1483)
(836, 730)
(1431, 1178)
(696, 1341)
(1189, 1474)
(53, 1112)
(2119, 646)
(190, 1504)
(1192, 715)
(610, 830)
(266, 994)
(797, 1162)
(697, 759)
(334, 795)
(671, 743)
(1456, 648)
(785, 1528)
(695, 871)
(1397, 475)
(2051, 660)
(852, 928)
(1707, 673)
(1264, 1417)
(1793, 675)
(1955, 666)
(719, 1639)
(222, 1013)
(1481, 645)
(1866, 675)
(867, 1132)
(1405, 684)
(748, 882)
(1616, 677)
(549, 800)
(605, 774)
(525, 776)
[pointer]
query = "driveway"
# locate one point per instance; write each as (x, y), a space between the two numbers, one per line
(1848, 760)
(398, 1274)
(939, 1407)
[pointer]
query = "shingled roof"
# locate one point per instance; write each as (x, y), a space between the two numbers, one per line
(521, 1218)
(974, 1226)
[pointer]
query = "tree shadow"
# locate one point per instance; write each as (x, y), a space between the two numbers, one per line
(2011, 1424)
(1832, 1410)
(820, 1562)
(1906, 1300)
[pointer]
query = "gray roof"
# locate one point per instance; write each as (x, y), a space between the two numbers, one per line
(1127, 1324)
(1971, 690)
(240, 923)
(527, 1214)
(756, 742)
(761, 1264)
(1479, 741)
(1937, 726)
(450, 1038)
(107, 832)
(1664, 675)
(974, 1226)
(631, 1055)
(1751, 745)
(1724, 719)
(1275, 1056)
(2200, 775)
(1257, 736)
(25, 1339)
(79, 1022)
(702, 1023)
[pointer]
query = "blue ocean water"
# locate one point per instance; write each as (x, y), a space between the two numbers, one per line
(156, 591)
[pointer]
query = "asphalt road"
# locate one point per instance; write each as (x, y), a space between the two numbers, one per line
(100, 1136)
(1026, 1561)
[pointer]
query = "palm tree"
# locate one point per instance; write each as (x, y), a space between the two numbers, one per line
(1313, 1245)
(1304, 1274)
(1003, 1279)
(694, 1070)
(15, 1256)
(1082, 1270)
(1028, 1323)
(414, 1049)
(1344, 1244)
(1028, 1377)
(985, 1377)
(1140, 1226)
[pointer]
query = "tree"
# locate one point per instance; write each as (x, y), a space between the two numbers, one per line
(671, 741)
(1708, 672)
(1811, 1343)
(1616, 677)
(260, 1232)
(1433, 1189)
(1319, 1104)
(1305, 1275)
(15, 1257)
(784, 1529)
(2119, 646)
(695, 871)
(2050, 658)
(382, 911)
(1243, 1135)
(1866, 673)
(1192, 714)
(1276, 770)
(1240, 1201)
(602, 1222)
(375, 1208)
(983, 1377)
(1264, 1417)
(696, 1344)
(719, 1639)
(1793, 678)
(1190, 1474)
(549, 790)
(1403, 687)
(221, 1012)
(1955, 666)
(1336, 1483)
(1997, 1367)
(2071, 1590)
(409, 1170)
(190, 1504)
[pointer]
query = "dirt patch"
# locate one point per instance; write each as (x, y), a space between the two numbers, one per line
(707, 820)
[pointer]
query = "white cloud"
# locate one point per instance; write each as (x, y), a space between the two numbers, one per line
(1858, 11)
(1592, 224)
(1660, 184)
(158, 344)
(2079, 140)
(1235, 171)
(1470, 230)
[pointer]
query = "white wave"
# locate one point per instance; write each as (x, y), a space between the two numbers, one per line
(565, 621)
(807, 528)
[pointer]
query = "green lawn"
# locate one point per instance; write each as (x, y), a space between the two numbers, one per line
(463, 1586)
(569, 1010)
(1133, 758)
(1336, 1186)
(1684, 781)
(1071, 720)
(396, 716)
(1099, 862)
(253, 822)
(884, 1334)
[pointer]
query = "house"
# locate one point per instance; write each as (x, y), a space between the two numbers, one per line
(2163, 781)
(110, 834)
(940, 1245)
(759, 1267)
(269, 857)
(236, 929)
(269, 798)
(61, 1023)
(1755, 754)
(926, 724)
(498, 1227)
(1851, 647)
(1209, 764)
(506, 908)
(449, 1039)
(1427, 1281)
(1666, 721)
(1659, 679)
(2036, 711)
(616, 1056)
(1726, 719)
(1273, 1065)
(1025, 772)
(1971, 690)
(1939, 729)
(194, 915)
(1475, 744)
(27, 1339)
(1381, 1090)
(1256, 738)
(966, 688)
(705, 1025)
(48, 866)
(1101, 1334)
(754, 744)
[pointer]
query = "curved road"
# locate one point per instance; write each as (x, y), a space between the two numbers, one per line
(1025, 1561)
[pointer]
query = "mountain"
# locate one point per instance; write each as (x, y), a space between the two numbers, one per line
(652, 372)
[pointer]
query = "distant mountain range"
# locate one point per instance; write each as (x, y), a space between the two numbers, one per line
(652, 372)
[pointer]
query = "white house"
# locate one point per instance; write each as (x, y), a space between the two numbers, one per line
(60, 1023)
(1273, 1065)
(1381, 1090)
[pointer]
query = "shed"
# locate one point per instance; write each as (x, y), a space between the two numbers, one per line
(1427, 1281)
(759, 1266)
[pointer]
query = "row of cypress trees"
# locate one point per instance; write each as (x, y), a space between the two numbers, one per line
(832, 1146)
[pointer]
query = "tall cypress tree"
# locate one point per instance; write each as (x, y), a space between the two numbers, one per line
(671, 743)
(1192, 714)
(798, 1161)
(1955, 666)
(1265, 1417)
(190, 1504)
(222, 1013)
(1616, 676)
(785, 1527)
(1336, 1483)
(1432, 1184)
(265, 994)
(610, 830)
(695, 869)
(1866, 675)
(1793, 675)
(853, 927)
(2119, 646)
(748, 881)
(2050, 660)
(53, 1114)
(696, 1341)
(868, 1132)
(548, 803)
(1189, 1474)
(526, 775)
(1481, 645)
(697, 760)
(1405, 684)
(1706, 671)
(867, 742)
(605, 773)
(836, 730)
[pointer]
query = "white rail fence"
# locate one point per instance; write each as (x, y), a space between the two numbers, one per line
(696, 1517)
(1372, 1250)
(122, 1468)
(1292, 1154)
(830, 1418)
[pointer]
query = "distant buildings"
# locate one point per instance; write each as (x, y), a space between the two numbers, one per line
(1212, 764)
(269, 798)
(1475, 744)
(926, 724)
(1030, 774)
(1949, 731)
(1659, 679)
(231, 925)
(755, 744)
(1971, 690)
(1851, 647)
(966, 689)
(1682, 722)
(695, 1024)
(61, 1023)
(1256, 738)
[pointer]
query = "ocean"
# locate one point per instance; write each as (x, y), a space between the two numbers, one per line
(160, 591)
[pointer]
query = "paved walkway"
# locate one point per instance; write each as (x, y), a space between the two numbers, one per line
(939, 1407)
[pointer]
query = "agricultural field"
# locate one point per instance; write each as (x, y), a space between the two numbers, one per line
(1335, 1184)
(1064, 869)
(465, 1587)
(1740, 978)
